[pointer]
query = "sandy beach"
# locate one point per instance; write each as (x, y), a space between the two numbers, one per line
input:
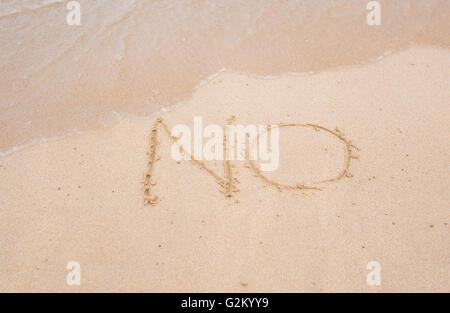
(81, 198)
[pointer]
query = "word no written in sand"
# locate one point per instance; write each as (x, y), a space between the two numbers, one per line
(228, 183)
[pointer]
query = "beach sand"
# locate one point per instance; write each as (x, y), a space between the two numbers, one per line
(81, 198)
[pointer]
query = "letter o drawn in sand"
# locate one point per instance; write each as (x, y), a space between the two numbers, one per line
(344, 172)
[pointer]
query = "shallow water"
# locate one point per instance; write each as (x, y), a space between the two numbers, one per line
(136, 57)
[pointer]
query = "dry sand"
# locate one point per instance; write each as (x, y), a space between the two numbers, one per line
(81, 198)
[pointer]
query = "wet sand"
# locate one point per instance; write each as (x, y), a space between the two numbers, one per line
(131, 57)
(81, 198)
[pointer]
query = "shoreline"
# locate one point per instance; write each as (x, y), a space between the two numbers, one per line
(124, 115)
